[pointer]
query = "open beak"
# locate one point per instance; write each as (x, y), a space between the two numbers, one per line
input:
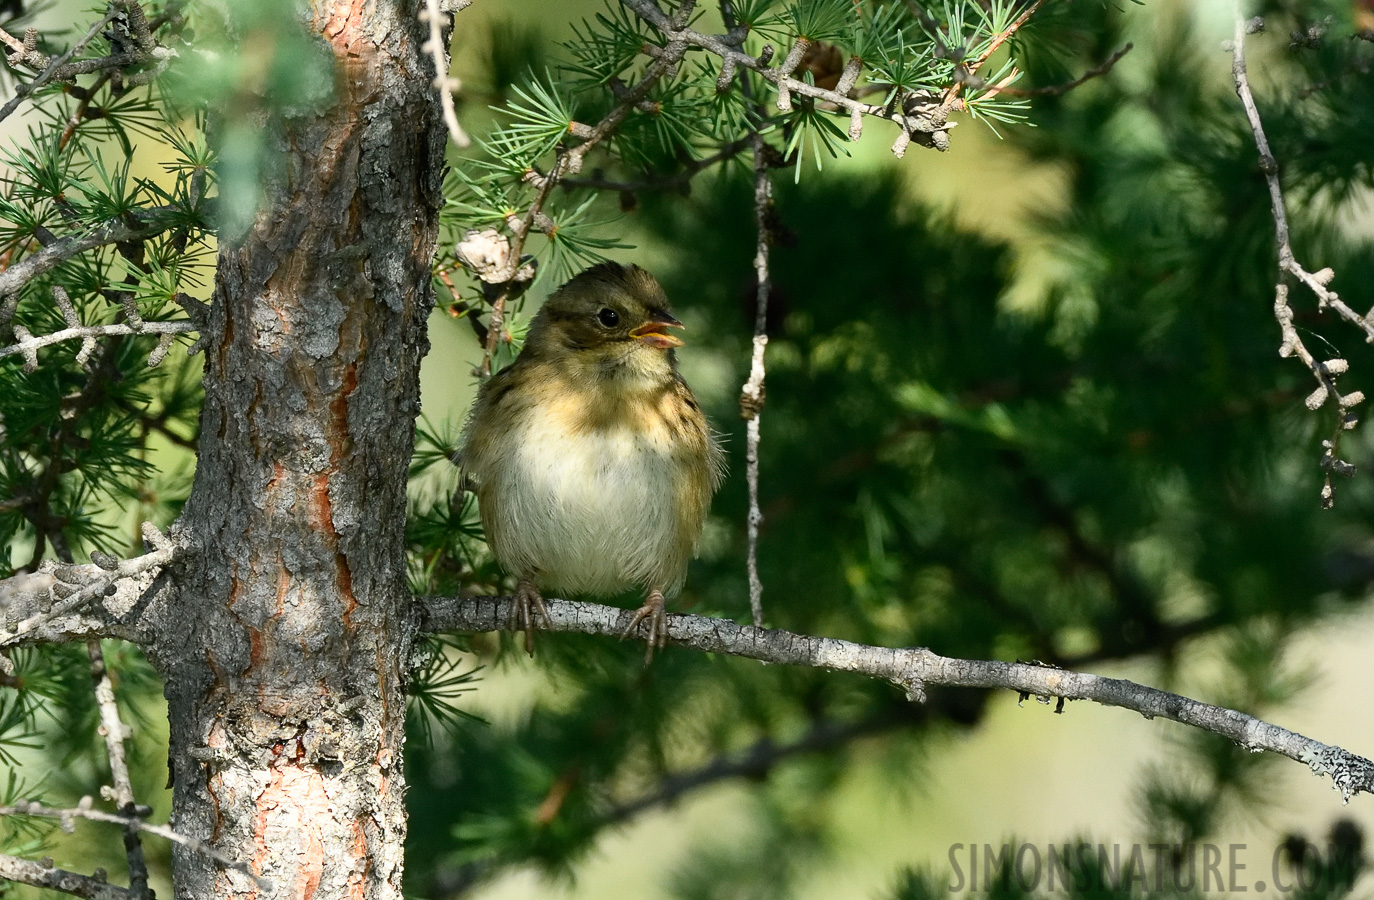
(655, 331)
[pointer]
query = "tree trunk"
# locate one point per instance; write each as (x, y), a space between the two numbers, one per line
(286, 646)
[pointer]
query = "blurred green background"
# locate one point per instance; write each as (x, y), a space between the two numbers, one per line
(1024, 402)
(1086, 441)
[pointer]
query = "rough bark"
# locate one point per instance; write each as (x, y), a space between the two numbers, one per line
(285, 648)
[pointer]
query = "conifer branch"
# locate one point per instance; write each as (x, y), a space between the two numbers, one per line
(143, 49)
(567, 162)
(925, 123)
(29, 344)
(913, 669)
(1326, 372)
(43, 874)
(968, 72)
(52, 68)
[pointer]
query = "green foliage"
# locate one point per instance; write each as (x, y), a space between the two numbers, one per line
(685, 116)
(1107, 461)
(76, 429)
(820, 20)
(1104, 461)
(438, 684)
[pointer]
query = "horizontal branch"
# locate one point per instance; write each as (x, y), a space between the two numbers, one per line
(912, 669)
(86, 811)
(45, 875)
(63, 603)
(33, 343)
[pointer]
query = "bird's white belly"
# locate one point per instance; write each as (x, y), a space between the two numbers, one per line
(592, 511)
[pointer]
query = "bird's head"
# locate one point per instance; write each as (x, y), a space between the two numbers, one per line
(608, 317)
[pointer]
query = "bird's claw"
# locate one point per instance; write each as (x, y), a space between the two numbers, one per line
(527, 606)
(653, 611)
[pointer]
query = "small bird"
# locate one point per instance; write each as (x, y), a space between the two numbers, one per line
(594, 465)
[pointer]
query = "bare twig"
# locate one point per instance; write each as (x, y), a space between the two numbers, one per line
(84, 810)
(44, 875)
(754, 762)
(752, 396)
(1326, 372)
(18, 46)
(444, 83)
(676, 180)
(1052, 89)
(121, 787)
(914, 668)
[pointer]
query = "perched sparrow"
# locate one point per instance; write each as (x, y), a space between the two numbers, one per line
(593, 464)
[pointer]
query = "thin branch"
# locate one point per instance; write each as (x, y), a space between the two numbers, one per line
(29, 344)
(966, 73)
(913, 669)
(44, 875)
(84, 810)
(754, 762)
(39, 487)
(444, 83)
(752, 395)
(113, 729)
(61, 69)
(19, 47)
(677, 180)
(1053, 89)
(1324, 372)
(56, 69)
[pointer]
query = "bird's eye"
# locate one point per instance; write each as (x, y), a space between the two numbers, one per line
(608, 317)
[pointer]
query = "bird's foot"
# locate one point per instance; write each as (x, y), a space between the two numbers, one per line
(653, 611)
(526, 606)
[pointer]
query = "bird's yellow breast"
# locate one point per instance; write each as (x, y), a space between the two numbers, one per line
(596, 491)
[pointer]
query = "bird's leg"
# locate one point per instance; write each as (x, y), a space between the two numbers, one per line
(526, 606)
(658, 623)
